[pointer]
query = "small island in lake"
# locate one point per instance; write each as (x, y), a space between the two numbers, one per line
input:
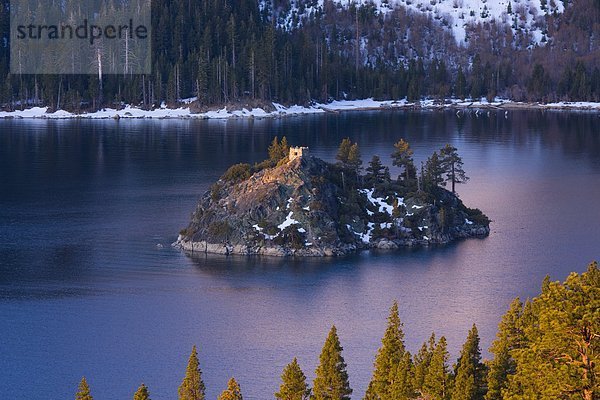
(295, 204)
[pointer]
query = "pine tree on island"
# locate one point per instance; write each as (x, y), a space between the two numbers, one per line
(331, 381)
(343, 152)
(403, 157)
(432, 175)
(349, 159)
(192, 387)
(293, 383)
(452, 165)
(278, 151)
(376, 173)
(348, 156)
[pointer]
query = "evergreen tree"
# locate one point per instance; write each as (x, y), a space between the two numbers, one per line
(561, 347)
(461, 84)
(436, 384)
(402, 157)
(388, 359)
(452, 166)
(235, 51)
(83, 393)
(233, 391)
(432, 175)
(343, 154)
(293, 385)
(354, 160)
(142, 393)
(375, 172)
(192, 387)
(477, 78)
(331, 381)
(508, 339)
(422, 362)
(278, 150)
(538, 84)
(469, 382)
(401, 386)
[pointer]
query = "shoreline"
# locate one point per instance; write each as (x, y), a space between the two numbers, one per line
(334, 107)
(192, 248)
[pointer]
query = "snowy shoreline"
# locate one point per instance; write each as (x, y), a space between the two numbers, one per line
(337, 106)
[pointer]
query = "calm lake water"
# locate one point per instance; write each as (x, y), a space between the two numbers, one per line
(90, 286)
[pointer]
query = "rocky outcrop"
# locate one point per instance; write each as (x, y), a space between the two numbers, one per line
(307, 207)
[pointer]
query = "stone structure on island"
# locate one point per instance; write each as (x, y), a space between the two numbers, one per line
(298, 152)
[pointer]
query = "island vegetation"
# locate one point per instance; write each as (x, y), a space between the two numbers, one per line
(295, 204)
(546, 348)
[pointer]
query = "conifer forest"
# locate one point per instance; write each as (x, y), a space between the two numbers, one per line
(546, 348)
(235, 52)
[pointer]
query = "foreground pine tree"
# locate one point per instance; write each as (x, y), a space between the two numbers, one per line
(293, 385)
(470, 373)
(83, 392)
(560, 350)
(401, 386)
(331, 381)
(142, 393)
(422, 362)
(192, 387)
(233, 391)
(436, 384)
(508, 339)
(388, 359)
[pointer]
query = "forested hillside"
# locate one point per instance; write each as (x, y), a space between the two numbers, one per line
(244, 51)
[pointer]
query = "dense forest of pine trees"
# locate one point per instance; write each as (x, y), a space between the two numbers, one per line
(546, 349)
(229, 52)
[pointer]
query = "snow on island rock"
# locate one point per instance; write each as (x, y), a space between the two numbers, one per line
(302, 207)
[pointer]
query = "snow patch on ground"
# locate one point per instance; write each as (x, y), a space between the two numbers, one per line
(129, 112)
(366, 236)
(260, 230)
(581, 105)
(288, 221)
(380, 203)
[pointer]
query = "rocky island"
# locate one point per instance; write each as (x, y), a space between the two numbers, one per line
(295, 204)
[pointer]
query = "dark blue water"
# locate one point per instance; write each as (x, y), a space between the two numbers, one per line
(89, 285)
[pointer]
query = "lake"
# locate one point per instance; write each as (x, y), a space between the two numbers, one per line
(89, 284)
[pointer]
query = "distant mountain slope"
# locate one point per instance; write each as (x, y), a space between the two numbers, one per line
(251, 53)
(526, 16)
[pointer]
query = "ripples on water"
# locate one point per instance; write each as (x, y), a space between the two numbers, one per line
(85, 290)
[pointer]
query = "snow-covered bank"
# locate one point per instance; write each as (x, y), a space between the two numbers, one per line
(130, 112)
